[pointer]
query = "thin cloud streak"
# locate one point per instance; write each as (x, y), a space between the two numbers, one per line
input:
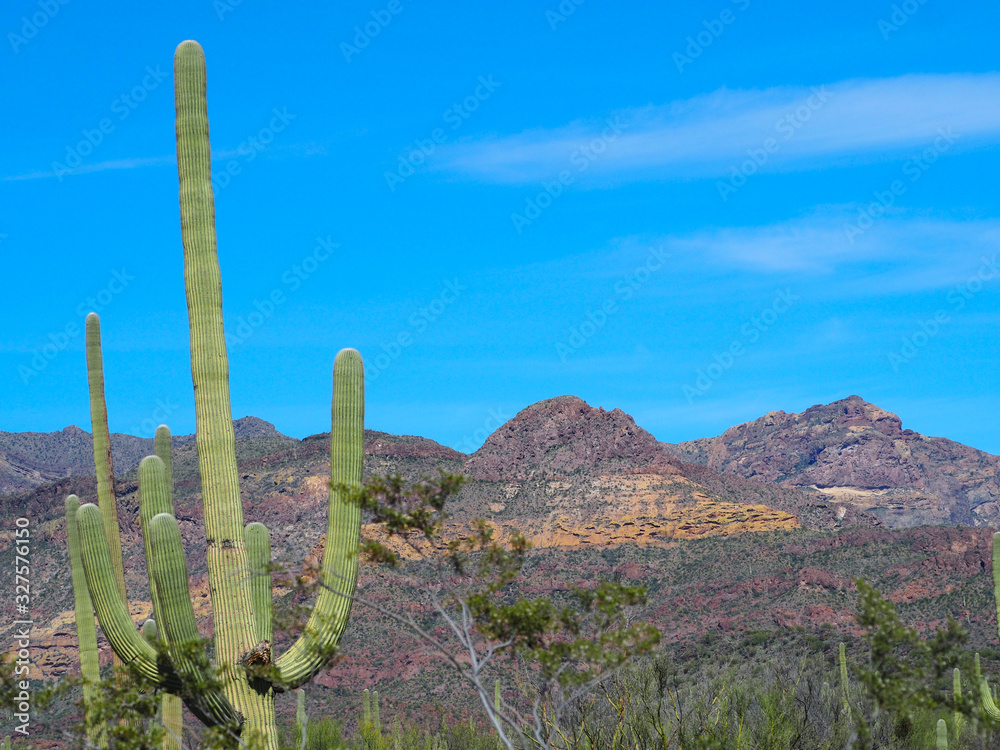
(707, 135)
(297, 149)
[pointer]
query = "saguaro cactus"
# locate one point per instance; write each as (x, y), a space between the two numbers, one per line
(86, 630)
(301, 719)
(241, 602)
(942, 735)
(845, 691)
(172, 712)
(103, 465)
(985, 695)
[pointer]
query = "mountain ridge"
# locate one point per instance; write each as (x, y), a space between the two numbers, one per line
(856, 452)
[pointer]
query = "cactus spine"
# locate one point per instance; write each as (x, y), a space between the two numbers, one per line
(86, 630)
(242, 614)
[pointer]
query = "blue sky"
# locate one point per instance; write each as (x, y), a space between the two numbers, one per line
(697, 212)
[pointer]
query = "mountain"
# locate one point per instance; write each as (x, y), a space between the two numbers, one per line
(31, 459)
(563, 436)
(579, 475)
(720, 553)
(855, 453)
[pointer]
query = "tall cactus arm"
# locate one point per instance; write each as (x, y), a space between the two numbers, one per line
(86, 630)
(226, 554)
(172, 713)
(986, 699)
(163, 449)
(259, 549)
(340, 557)
(127, 643)
(103, 465)
(154, 498)
(180, 632)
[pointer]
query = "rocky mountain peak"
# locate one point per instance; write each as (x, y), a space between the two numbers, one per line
(565, 435)
(254, 427)
(854, 411)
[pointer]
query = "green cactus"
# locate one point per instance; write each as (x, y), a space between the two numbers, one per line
(987, 698)
(366, 708)
(844, 686)
(942, 735)
(957, 695)
(172, 710)
(235, 556)
(103, 464)
(376, 720)
(301, 718)
(86, 630)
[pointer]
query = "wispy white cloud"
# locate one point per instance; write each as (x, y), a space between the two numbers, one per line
(707, 135)
(101, 166)
(898, 254)
(294, 150)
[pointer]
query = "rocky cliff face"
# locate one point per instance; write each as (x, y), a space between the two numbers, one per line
(854, 452)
